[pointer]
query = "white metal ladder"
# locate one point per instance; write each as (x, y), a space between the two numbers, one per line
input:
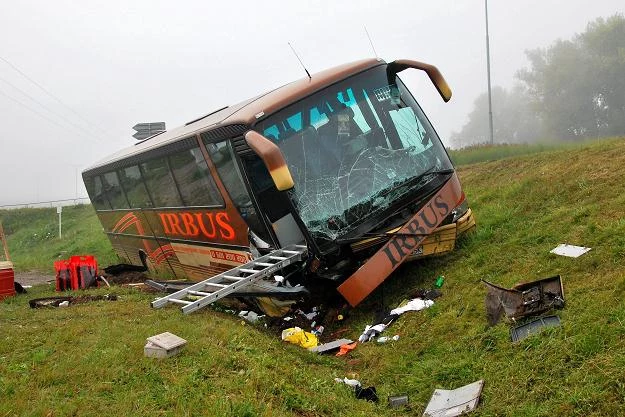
(219, 286)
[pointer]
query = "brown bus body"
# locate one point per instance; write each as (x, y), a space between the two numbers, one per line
(196, 237)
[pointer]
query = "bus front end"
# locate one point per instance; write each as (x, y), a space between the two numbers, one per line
(371, 177)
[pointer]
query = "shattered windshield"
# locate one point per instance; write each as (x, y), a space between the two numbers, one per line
(354, 149)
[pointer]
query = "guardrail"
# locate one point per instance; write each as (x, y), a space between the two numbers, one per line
(50, 203)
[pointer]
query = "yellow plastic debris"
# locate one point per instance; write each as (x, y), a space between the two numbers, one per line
(299, 337)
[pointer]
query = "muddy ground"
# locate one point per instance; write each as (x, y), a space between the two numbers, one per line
(33, 278)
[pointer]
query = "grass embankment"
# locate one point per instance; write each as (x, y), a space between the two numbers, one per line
(487, 153)
(88, 359)
(33, 236)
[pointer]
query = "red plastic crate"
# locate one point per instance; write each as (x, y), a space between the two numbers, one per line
(63, 275)
(84, 270)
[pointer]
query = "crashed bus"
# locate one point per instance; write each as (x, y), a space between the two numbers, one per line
(343, 163)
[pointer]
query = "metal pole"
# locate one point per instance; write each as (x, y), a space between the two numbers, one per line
(490, 99)
(59, 210)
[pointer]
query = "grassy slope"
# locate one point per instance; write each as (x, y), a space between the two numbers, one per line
(32, 236)
(87, 360)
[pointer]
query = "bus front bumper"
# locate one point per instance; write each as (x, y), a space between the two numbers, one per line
(443, 239)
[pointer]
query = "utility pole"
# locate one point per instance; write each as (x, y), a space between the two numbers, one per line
(490, 99)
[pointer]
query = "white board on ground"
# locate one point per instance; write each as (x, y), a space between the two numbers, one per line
(450, 403)
(571, 251)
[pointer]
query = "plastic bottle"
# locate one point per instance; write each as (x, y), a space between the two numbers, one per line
(439, 281)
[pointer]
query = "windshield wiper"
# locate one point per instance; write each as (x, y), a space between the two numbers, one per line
(420, 177)
(374, 235)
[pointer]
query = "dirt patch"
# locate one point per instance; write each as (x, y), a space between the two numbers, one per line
(126, 277)
(33, 278)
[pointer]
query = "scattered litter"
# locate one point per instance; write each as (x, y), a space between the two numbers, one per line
(101, 278)
(19, 288)
(385, 339)
(523, 299)
(351, 382)
(330, 346)
(317, 330)
(571, 251)
(163, 345)
(64, 304)
(368, 394)
(519, 333)
(397, 401)
(427, 294)
(250, 316)
(346, 348)
(372, 332)
(450, 403)
(439, 281)
(299, 337)
(287, 318)
(361, 393)
(413, 305)
(310, 316)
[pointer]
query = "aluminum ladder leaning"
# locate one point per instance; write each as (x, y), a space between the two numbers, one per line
(219, 286)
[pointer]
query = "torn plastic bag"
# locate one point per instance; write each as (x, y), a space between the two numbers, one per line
(523, 299)
(299, 337)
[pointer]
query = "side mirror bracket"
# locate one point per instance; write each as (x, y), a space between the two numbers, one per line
(273, 159)
(435, 75)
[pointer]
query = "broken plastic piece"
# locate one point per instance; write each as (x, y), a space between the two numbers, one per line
(450, 403)
(571, 251)
(346, 348)
(523, 299)
(330, 346)
(396, 401)
(519, 333)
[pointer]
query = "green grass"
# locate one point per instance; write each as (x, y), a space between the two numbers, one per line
(33, 237)
(88, 359)
(486, 153)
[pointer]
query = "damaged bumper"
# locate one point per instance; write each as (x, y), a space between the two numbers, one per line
(441, 241)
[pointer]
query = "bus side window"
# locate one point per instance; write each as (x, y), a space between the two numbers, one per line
(160, 183)
(96, 193)
(114, 192)
(132, 183)
(194, 180)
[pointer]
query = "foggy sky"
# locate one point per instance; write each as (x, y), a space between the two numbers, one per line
(116, 63)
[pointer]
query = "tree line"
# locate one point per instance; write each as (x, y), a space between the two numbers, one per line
(573, 90)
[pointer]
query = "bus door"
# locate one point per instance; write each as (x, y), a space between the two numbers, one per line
(249, 206)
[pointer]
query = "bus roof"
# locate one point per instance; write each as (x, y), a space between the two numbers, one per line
(246, 112)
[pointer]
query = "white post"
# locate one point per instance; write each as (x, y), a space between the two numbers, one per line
(59, 210)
